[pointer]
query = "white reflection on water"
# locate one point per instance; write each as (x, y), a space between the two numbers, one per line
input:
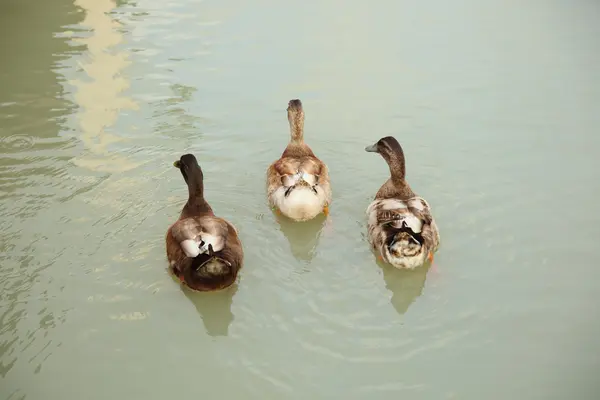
(100, 98)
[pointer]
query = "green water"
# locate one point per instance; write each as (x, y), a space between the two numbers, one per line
(495, 103)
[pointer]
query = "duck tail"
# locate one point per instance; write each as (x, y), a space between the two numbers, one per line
(209, 272)
(405, 234)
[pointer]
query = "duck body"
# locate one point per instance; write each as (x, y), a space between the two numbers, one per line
(401, 228)
(402, 232)
(298, 183)
(203, 250)
(298, 187)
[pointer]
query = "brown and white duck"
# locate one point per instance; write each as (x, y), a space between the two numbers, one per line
(204, 251)
(298, 182)
(401, 228)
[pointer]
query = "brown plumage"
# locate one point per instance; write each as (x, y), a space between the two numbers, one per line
(204, 251)
(298, 182)
(401, 228)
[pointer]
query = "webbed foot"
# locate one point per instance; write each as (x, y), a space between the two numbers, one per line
(430, 257)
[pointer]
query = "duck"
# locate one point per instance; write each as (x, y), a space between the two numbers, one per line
(401, 228)
(204, 251)
(298, 184)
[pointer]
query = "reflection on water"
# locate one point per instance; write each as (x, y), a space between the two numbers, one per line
(33, 174)
(175, 121)
(406, 286)
(303, 237)
(214, 308)
(100, 95)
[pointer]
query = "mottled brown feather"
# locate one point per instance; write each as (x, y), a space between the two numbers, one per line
(385, 223)
(297, 156)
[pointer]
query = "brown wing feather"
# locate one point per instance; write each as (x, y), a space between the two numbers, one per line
(429, 231)
(286, 166)
(232, 253)
(289, 166)
(295, 158)
(184, 229)
(312, 165)
(190, 228)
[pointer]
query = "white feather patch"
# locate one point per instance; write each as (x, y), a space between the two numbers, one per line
(291, 180)
(413, 223)
(418, 203)
(309, 178)
(190, 247)
(301, 204)
(217, 242)
(392, 204)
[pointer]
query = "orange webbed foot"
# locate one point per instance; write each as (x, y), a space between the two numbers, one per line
(326, 210)
(430, 257)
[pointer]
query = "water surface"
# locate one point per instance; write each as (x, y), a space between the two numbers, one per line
(494, 102)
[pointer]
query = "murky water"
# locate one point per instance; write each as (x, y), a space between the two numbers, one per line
(495, 103)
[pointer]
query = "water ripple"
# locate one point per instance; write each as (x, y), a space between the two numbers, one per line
(88, 191)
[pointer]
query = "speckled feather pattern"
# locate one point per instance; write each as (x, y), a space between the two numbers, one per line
(401, 227)
(385, 218)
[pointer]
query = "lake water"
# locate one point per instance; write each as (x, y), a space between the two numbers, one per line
(495, 103)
